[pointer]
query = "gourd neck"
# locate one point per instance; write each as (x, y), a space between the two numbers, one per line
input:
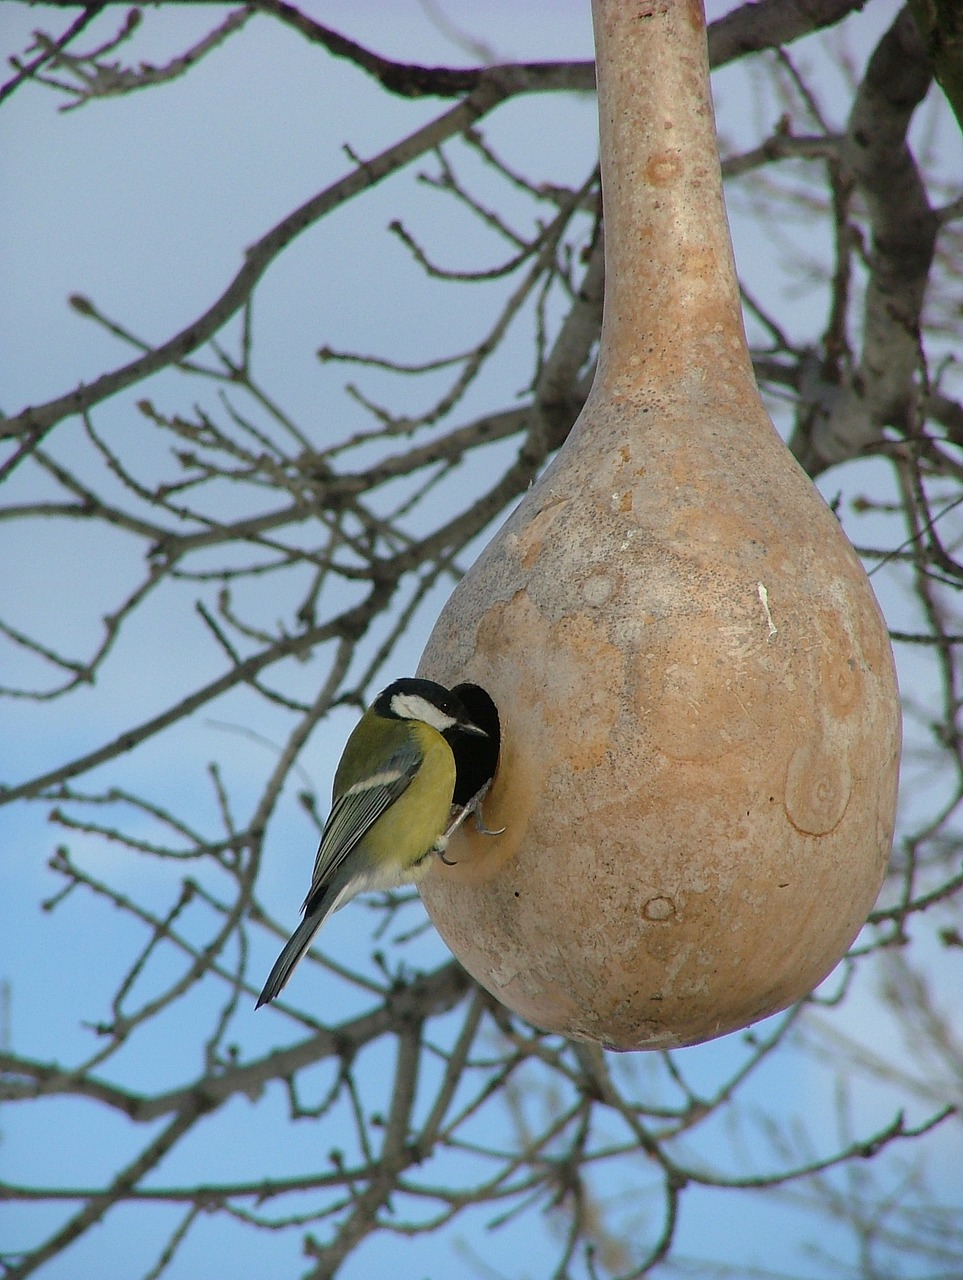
(672, 316)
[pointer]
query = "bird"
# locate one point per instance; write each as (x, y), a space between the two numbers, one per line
(390, 806)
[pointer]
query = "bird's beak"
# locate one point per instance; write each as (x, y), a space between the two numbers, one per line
(466, 726)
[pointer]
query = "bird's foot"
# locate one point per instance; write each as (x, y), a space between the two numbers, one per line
(482, 829)
(441, 844)
(474, 805)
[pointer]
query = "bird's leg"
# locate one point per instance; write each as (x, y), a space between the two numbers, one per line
(473, 806)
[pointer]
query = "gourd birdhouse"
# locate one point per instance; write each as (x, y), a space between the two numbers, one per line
(699, 713)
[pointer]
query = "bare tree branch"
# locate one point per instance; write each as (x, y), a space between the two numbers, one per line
(880, 391)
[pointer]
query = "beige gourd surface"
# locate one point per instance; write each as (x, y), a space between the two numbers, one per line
(698, 700)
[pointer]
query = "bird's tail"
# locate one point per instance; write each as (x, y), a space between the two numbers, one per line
(294, 949)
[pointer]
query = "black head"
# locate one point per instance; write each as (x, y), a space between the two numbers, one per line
(431, 703)
(476, 759)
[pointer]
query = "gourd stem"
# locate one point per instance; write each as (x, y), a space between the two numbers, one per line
(672, 314)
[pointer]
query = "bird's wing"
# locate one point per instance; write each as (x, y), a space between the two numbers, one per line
(354, 813)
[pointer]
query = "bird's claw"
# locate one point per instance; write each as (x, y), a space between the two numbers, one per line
(482, 829)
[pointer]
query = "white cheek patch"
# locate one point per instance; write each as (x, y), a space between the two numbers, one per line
(412, 706)
(376, 780)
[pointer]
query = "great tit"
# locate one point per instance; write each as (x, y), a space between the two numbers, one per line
(390, 806)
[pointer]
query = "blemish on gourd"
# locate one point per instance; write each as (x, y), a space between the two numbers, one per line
(597, 588)
(818, 787)
(663, 168)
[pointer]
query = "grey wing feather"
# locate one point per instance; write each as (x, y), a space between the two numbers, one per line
(354, 813)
